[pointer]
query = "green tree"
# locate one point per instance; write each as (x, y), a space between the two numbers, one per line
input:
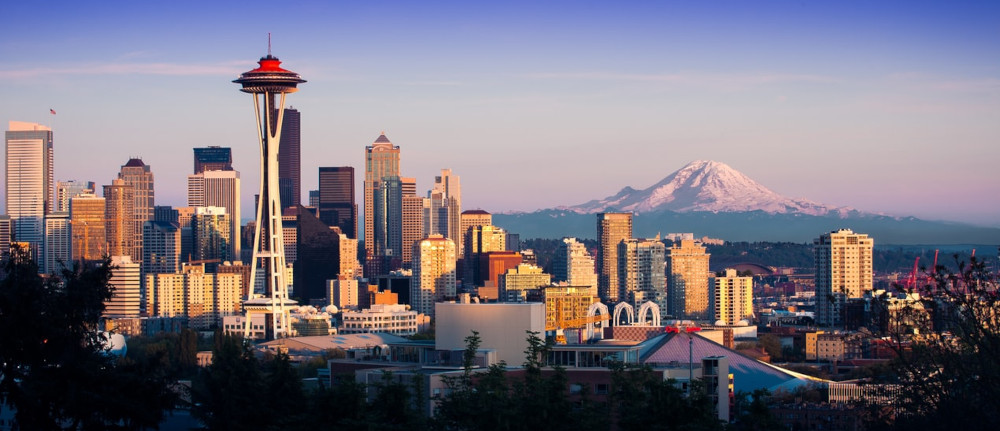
(643, 400)
(229, 394)
(772, 345)
(752, 412)
(946, 378)
(55, 370)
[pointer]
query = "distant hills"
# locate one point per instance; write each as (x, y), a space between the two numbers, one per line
(712, 199)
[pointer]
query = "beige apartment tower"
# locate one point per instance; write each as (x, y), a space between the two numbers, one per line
(687, 278)
(433, 273)
(732, 298)
(843, 271)
(612, 228)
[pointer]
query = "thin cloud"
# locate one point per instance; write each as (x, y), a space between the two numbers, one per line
(706, 79)
(172, 69)
(922, 81)
(436, 83)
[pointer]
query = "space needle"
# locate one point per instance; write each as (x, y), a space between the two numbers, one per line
(269, 84)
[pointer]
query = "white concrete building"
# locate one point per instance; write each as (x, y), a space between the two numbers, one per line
(502, 327)
(390, 319)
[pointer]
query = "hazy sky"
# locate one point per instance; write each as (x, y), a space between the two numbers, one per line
(888, 107)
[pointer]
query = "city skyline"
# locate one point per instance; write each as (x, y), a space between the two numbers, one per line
(900, 97)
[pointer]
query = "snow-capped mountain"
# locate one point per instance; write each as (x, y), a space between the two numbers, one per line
(705, 185)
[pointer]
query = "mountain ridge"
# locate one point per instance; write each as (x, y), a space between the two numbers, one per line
(704, 185)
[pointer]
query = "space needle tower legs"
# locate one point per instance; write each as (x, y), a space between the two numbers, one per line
(269, 84)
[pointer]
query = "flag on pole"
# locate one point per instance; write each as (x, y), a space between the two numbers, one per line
(52, 111)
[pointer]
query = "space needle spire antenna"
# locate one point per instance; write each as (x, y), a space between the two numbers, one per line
(269, 83)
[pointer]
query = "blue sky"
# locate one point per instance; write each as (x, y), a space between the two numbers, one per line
(889, 107)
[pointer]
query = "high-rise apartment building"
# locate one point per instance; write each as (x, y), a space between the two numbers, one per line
(138, 177)
(381, 161)
(612, 228)
(30, 183)
(119, 219)
(161, 251)
(211, 236)
(413, 219)
(203, 297)
(732, 298)
(213, 159)
(443, 209)
(843, 271)
(57, 243)
(219, 189)
(687, 272)
(290, 159)
(67, 189)
(574, 265)
(433, 273)
(87, 227)
(126, 294)
(337, 206)
(641, 276)
(347, 256)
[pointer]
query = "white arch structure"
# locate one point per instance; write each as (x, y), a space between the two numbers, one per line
(629, 313)
(591, 313)
(647, 307)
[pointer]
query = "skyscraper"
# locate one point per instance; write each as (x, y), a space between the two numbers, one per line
(6, 231)
(67, 189)
(337, 206)
(219, 189)
(30, 183)
(318, 254)
(470, 218)
(126, 295)
(161, 251)
(381, 161)
(290, 160)
(57, 242)
(641, 272)
(574, 265)
(612, 228)
(481, 240)
(210, 228)
(843, 271)
(687, 272)
(119, 219)
(213, 159)
(413, 219)
(87, 227)
(138, 176)
(733, 298)
(443, 209)
(433, 273)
